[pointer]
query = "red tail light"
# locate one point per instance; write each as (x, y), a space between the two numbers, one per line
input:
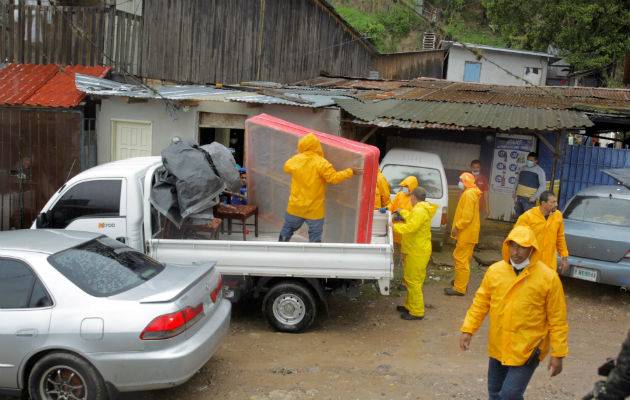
(443, 222)
(627, 254)
(216, 290)
(170, 325)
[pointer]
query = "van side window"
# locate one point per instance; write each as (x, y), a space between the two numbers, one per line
(99, 198)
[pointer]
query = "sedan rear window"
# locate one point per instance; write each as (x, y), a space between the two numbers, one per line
(104, 267)
(601, 210)
(428, 178)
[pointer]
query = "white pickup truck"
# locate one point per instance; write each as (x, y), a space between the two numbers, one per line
(293, 277)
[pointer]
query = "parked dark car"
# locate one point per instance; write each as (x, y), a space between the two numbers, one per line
(597, 230)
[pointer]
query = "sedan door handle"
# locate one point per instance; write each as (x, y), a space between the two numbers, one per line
(27, 333)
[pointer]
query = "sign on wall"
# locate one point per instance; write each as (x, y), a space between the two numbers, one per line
(510, 153)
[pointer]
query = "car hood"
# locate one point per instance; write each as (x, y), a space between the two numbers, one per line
(596, 241)
(169, 284)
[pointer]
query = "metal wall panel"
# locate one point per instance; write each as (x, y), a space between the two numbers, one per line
(39, 151)
(582, 167)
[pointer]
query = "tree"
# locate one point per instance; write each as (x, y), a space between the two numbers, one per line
(587, 33)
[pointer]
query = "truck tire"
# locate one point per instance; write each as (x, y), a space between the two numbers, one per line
(65, 376)
(289, 307)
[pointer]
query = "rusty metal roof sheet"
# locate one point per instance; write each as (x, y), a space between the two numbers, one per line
(490, 116)
(43, 85)
(430, 89)
(390, 122)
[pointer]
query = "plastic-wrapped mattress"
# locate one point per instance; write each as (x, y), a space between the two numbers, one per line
(270, 142)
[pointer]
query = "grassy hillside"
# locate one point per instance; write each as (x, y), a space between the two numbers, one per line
(394, 27)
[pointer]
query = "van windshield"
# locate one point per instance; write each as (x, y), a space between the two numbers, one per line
(429, 178)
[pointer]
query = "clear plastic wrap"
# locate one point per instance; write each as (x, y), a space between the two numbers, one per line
(270, 142)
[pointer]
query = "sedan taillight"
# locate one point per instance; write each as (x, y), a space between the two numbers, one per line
(170, 325)
(216, 290)
(627, 256)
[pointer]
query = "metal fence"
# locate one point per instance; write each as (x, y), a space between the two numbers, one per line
(582, 166)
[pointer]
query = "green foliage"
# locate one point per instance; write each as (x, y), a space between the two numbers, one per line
(459, 31)
(383, 28)
(587, 33)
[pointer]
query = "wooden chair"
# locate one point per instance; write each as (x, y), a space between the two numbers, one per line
(237, 211)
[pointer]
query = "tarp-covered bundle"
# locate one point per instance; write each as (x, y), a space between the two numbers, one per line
(270, 142)
(192, 178)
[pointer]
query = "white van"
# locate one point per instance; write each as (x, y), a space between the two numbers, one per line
(427, 168)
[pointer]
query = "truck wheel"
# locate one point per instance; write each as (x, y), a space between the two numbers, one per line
(65, 376)
(289, 307)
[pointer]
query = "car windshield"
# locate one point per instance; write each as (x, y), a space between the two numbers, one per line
(601, 210)
(104, 267)
(428, 178)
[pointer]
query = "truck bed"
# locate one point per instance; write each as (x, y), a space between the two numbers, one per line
(265, 256)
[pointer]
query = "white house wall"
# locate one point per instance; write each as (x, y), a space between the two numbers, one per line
(185, 124)
(490, 73)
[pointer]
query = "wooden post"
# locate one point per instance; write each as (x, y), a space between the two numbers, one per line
(556, 155)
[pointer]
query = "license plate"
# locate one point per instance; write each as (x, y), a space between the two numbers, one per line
(585, 273)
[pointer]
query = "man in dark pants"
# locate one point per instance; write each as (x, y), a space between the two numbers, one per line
(531, 183)
(528, 317)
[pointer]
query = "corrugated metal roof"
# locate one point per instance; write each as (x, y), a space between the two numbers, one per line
(389, 122)
(106, 87)
(314, 101)
(500, 49)
(43, 85)
(430, 89)
(304, 97)
(467, 115)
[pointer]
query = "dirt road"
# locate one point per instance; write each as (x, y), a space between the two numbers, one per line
(363, 350)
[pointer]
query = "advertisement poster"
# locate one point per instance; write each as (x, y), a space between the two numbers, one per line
(510, 153)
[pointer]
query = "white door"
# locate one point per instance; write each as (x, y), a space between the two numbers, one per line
(130, 139)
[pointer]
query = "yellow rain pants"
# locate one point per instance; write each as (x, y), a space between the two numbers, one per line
(461, 255)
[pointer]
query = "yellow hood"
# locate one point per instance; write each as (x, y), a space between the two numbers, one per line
(430, 207)
(410, 182)
(524, 236)
(310, 143)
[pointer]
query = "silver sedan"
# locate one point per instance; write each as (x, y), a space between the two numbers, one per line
(84, 316)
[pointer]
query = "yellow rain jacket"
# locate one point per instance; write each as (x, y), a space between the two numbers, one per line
(416, 231)
(416, 245)
(467, 216)
(524, 309)
(549, 234)
(403, 201)
(310, 172)
(382, 191)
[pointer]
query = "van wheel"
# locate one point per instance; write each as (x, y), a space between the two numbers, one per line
(289, 307)
(65, 376)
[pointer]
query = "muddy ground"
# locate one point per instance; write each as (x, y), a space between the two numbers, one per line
(363, 350)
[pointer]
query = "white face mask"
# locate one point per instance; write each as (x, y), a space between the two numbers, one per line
(460, 185)
(475, 173)
(523, 264)
(405, 190)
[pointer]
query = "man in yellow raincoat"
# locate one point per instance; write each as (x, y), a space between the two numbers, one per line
(310, 172)
(548, 225)
(416, 246)
(527, 316)
(382, 191)
(466, 232)
(402, 201)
